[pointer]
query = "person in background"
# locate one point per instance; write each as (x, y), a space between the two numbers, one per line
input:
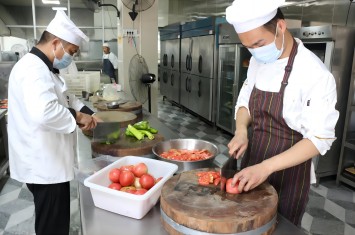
(288, 100)
(109, 63)
(42, 121)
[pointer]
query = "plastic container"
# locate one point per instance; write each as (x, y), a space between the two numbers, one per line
(88, 167)
(134, 206)
(82, 81)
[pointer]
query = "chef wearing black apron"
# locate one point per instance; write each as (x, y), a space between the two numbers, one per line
(288, 101)
(109, 63)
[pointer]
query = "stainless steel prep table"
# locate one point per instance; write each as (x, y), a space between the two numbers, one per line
(98, 221)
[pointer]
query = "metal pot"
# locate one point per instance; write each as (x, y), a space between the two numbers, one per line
(189, 144)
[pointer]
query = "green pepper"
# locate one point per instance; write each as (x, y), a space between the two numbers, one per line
(114, 135)
(152, 130)
(135, 132)
(142, 125)
(147, 133)
(128, 133)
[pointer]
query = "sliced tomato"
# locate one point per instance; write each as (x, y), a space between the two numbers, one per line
(216, 181)
(204, 179)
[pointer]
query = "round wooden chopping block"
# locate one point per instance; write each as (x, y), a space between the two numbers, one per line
(127, 145)
(124, 118)
(190, 208)
(134, 107)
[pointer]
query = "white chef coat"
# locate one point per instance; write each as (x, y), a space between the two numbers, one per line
(112, 58)
(309, 98)
(41, 129)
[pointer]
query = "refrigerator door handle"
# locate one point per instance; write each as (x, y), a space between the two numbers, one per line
(199, 88)
(200, 64)
(186, 83)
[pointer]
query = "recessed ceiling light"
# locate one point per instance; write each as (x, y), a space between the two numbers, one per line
(51, 2)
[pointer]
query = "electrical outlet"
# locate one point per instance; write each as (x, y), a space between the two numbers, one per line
(130, 32)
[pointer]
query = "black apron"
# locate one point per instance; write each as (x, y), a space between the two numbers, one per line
(109, 69)
(272, 136)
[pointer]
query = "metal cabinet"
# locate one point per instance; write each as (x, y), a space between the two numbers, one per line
(170, 46)
(346, 168)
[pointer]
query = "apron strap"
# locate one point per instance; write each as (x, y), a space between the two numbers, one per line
(289, 66)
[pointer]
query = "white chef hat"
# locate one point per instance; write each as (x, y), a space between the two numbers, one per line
(62, 27)
(106, 44)
(246, 15)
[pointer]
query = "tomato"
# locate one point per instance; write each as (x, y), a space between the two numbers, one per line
(115, 186)
(114, 175)
(208, 177)
(186, 154)
(126, 178)
(127, 168)
(141, 191)
(158, 179)
(216, 181)
(147, 181)
(204, 179)
(230, 189)
(140, 169)
(136, 183)
(129, 189)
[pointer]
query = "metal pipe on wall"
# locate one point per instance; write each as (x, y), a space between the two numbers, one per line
(103, 23)
(69, 9)
(34, 19)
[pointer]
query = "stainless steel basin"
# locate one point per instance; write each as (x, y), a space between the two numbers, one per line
(189, 144)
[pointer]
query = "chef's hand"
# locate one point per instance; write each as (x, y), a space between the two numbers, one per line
(251, 177)
(239, 143)
(96, 118)
(85, 121)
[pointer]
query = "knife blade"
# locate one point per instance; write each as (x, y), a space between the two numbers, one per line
(228, 170)
(106, 132)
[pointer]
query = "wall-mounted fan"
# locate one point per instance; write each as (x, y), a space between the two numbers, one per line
(137, 6)
(140, 80)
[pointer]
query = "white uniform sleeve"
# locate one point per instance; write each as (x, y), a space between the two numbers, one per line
(74, 102)
(41, 103)
(247, 88)
(114, 60)
(319, 116)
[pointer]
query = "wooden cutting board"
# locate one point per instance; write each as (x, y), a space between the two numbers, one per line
(207, 209)
(134, 107)
(123, 118)
(127, 145)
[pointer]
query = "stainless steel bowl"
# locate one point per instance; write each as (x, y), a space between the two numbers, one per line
(115, 104)
(189, 144)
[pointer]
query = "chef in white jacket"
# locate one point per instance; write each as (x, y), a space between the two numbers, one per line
(288, 101)
(42, 121)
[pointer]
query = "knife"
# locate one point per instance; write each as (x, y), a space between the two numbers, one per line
(106, 132)
(228, 170)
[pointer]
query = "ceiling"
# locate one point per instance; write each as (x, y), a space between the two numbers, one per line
(63, 3)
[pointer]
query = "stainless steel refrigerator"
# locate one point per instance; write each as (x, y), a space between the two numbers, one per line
(233, 62)
(197, 67)
(169, 69)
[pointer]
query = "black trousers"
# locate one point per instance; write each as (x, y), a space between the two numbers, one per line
(52, 208)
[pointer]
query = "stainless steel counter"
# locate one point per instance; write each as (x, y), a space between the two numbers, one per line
(98, 221)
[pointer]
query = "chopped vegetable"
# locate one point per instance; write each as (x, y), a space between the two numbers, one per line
(152, 130)
(139, 135)
(148, 134)
(142, 125)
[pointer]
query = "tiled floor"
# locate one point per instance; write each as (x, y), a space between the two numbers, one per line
(330, 211)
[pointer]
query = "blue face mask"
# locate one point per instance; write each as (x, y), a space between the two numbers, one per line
(64, 62)
(269, 53)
